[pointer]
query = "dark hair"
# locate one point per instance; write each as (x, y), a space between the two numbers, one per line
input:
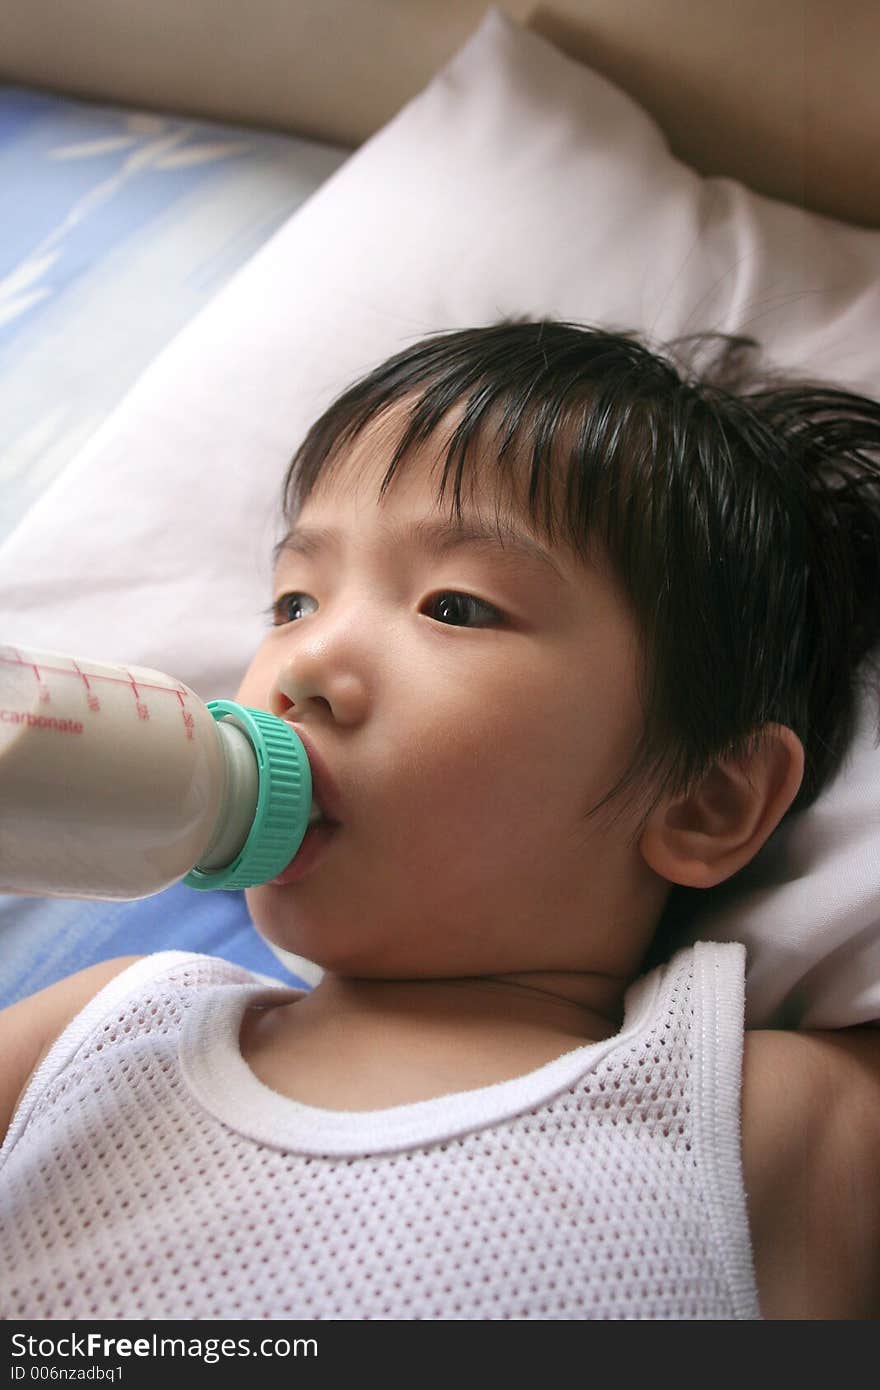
(740, 514)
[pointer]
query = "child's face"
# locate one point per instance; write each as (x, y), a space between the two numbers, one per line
(471, 701)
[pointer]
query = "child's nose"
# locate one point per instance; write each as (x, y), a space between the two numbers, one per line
(324, 685)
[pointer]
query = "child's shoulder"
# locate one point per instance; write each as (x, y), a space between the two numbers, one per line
(811, 1143)
(29, 1028)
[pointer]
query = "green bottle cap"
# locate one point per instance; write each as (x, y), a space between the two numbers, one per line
(284, 801)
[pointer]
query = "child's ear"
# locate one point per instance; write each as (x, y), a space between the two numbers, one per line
(701, 837)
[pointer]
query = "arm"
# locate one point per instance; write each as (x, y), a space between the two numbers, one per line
(811, 1155)
(28, 1029)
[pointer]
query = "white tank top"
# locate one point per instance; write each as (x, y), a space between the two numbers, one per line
(149, 1174)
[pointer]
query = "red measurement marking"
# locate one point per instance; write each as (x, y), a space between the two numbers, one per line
(82, 676)
(42, 690)
(126, 678)
(96, 675)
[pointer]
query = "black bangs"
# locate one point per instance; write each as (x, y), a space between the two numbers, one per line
(540, 399)
(739, 513)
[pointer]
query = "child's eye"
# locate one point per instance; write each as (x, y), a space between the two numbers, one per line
(462, 610)
(290, 607)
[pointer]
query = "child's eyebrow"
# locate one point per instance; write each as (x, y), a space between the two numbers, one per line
(437, 537)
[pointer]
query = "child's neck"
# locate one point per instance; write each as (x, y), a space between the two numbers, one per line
(355, 1044)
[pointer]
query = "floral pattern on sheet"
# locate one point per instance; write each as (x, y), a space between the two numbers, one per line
(117, 226)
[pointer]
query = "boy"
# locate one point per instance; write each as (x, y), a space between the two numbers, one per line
(563, 631)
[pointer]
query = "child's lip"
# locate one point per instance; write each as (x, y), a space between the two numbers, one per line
(324, 789)
(310, 853)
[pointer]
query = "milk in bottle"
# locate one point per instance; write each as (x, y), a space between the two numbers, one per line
(117, 781)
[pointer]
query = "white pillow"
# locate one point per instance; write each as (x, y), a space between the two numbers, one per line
(518, 182)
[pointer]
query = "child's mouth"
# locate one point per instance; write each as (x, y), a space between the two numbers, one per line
(317, 838)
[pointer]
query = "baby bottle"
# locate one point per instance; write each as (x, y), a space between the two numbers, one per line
(117, 781)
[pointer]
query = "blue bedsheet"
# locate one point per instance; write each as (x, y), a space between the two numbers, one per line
(116, 226)
(44, 939)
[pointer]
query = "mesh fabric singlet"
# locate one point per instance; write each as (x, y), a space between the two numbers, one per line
(148, 1174)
